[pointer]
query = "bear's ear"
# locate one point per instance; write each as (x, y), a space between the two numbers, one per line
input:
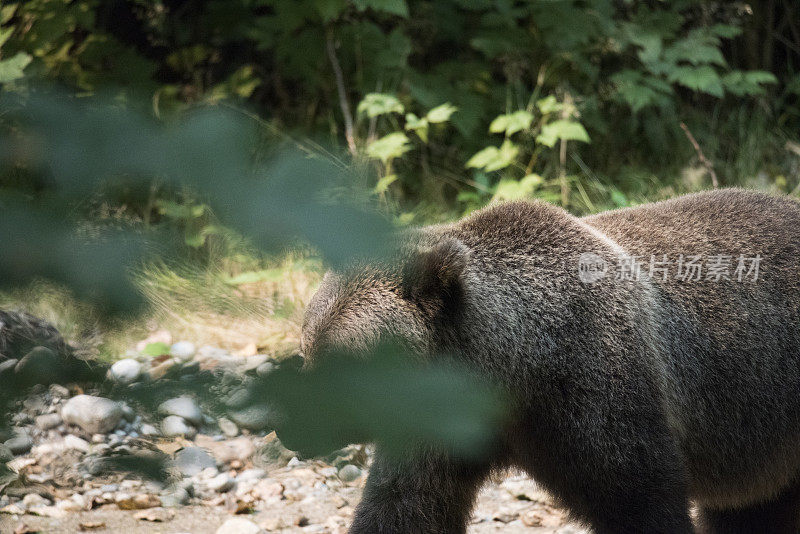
(436, 272)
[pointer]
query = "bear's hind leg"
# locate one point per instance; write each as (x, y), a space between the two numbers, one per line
(780, 515)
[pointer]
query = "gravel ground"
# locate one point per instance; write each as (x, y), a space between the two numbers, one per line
(497, 511)
(225, 473)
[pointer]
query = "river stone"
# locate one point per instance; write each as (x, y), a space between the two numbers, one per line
(191, 460)
(19, 444)
(182, 351)
(349, 473)
(175, 425)
(48, 421)
(125, 371)
(175, 498)
(228, 427)
(183, 407)
(5, 454)
(220, 483)
(254, 418)
(265, 368)
(95, 415)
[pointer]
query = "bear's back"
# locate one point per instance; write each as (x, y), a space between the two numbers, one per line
(734, 345)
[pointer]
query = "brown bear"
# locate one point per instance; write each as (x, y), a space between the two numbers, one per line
(654, 350)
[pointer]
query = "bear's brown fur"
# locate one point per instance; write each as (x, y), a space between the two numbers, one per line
(637, 395)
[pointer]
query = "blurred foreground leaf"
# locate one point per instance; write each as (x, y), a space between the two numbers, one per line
(388, 399)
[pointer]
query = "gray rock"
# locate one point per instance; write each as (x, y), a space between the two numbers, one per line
(94, 465)
(19, 444)
(182, 351)
(125, 371)
(7, 368)
(174, 425)
(5, 454)
(183, 407)
(252, 418)
(220, 483)
(95, 415)
(239, 525)
(265, 368)
(34, 404)
(58, 391)
(251, 474)
(173, 499)
(40, 366)
(253, 362)
(74, 442)
(191, 460)
(127, 412)
(149, 430)
(48, 421)
(274, 453)
(228, 427)
(349, 473)
(34, 500)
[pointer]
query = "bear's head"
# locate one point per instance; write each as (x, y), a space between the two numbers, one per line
(412, 298)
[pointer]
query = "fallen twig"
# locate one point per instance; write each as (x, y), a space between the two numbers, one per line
(703, 159)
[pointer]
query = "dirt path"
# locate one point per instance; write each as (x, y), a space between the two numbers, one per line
(498, 510)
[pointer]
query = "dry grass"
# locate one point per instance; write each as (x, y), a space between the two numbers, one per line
(239, 311)
(241, 307)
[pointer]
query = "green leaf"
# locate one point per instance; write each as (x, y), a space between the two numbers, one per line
(383, 184)
(509, 189)
(419, 126)
(330, 9)
(512, 122)
(704, 79)
(698, 48)
(482, 158)
(375, 104)
(386, 398)
(156, 349)
(5, 34)
(726, 31)
(562, 129)
(441, 113)
(747, 83)
(389, 147)
(638, 90)
(549, 104)
(493, 158)
(652, 47)
(394, 7)
(11, 68)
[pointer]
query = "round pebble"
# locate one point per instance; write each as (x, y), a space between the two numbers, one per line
(184, 407)
(125, 371)
(220, 483)
(182, 351)
(95, 415)
(19, 444)
(173, 426)
(349, 473)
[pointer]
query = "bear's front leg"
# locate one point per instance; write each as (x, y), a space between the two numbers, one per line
(430, 493)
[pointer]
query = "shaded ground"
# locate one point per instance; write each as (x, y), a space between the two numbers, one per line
(327, 511)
